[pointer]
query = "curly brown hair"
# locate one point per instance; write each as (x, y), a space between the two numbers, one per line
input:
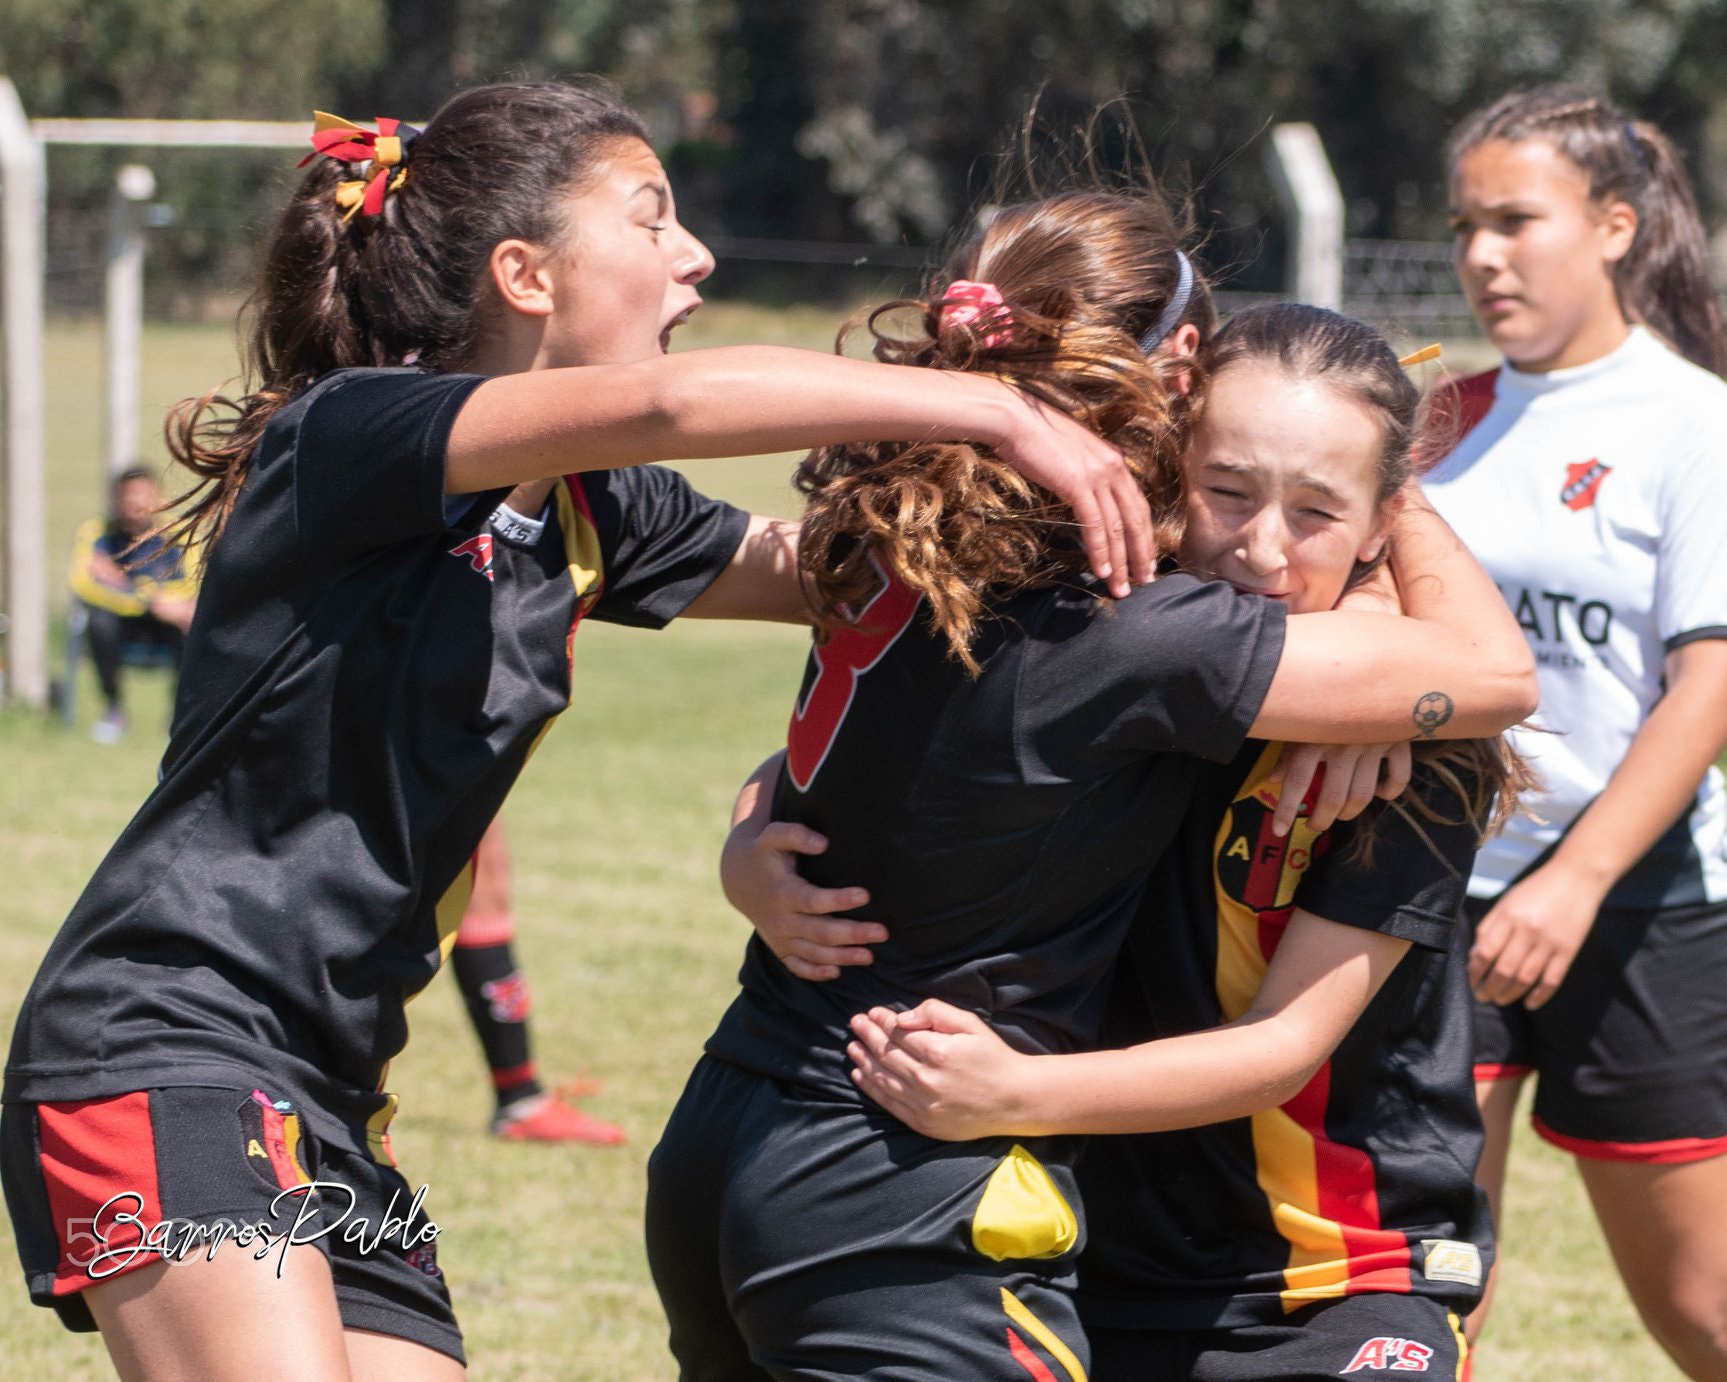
(1083, 275)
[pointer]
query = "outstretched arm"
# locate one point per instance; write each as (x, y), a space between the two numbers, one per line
(945, 1073)
(762, 581)
(747, 400)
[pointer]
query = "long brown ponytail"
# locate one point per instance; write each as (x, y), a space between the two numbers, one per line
(1663, 281)
(407, 285)
(1082, 277)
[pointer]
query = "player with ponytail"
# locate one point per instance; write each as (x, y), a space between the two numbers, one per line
(456, 371)
(999, 756)
(1591, 480)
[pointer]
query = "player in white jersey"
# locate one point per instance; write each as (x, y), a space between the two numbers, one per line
(1590, 478)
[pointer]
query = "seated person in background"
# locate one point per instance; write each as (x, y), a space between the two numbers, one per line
(132, 587)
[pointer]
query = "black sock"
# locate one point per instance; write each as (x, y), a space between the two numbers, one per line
(496, 995)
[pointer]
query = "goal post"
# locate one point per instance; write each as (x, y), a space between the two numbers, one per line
(23, 268)
(23, 214)
(1313, 205)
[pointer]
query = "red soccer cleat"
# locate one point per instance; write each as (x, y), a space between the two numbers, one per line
(550, 1119)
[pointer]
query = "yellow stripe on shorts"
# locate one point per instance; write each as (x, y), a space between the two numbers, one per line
(1020, 1314)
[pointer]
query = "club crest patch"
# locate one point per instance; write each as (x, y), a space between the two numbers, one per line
(1582, 484)
(1446, 1259)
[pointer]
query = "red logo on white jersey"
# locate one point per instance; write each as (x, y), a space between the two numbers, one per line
(478, 550)
(1386, 1354)
(1582, 483)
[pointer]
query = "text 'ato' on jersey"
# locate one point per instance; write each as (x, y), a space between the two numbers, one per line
(1596, 497)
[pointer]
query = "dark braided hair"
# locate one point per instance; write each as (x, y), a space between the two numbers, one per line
(1663, 281)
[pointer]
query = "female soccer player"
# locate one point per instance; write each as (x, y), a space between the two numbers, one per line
(194, 1142)
(999, 771)
(1592, 483)
(1319, 1217)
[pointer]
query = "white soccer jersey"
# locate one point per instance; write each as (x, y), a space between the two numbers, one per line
(1597, 499)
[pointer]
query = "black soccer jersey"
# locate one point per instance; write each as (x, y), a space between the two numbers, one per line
(1003, 825)
(1364, 1181)
(367, 672)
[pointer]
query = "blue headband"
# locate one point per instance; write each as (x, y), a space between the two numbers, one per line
(1171, 314)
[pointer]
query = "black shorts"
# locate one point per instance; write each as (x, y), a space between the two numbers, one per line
(1631, 1052)
(1377, 1334)
(100, 1187)
(799, 1234)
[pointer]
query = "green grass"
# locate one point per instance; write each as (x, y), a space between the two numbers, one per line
(615, 830)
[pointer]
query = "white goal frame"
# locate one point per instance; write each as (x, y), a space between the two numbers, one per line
(23, 268)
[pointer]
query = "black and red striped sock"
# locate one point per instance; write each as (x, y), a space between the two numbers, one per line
(496, 994)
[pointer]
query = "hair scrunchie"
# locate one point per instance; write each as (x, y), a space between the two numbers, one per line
(384, 149)
(965, 302)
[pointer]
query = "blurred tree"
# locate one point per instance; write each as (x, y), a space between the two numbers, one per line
(430, 48)
(887, 105)
(883, 119)
(240, 59)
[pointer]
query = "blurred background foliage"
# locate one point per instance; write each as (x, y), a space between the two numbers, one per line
(865, 121)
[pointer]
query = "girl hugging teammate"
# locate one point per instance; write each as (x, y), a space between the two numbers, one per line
(1006, 757)
(1289, 1189)
(457, 368)
(1589, 480)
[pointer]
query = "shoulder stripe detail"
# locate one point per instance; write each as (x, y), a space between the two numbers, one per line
(587, 560)
(1457, 407)
(1474, 397)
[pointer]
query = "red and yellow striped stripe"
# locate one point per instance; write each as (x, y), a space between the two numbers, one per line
(1020, 1313)
(1323, 1196)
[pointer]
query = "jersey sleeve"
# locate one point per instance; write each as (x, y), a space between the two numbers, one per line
(1690, 586)
(1179, 666)
(369, 458)
(1413, 882)
(664, 542)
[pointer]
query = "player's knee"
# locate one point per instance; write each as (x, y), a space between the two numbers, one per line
(1690, 1322)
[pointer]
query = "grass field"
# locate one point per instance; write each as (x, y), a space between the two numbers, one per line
(615, 830)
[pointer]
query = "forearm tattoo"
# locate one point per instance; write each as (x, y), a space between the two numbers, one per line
(1430, 712)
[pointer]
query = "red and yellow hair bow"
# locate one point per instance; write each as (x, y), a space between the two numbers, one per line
(385, 148)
